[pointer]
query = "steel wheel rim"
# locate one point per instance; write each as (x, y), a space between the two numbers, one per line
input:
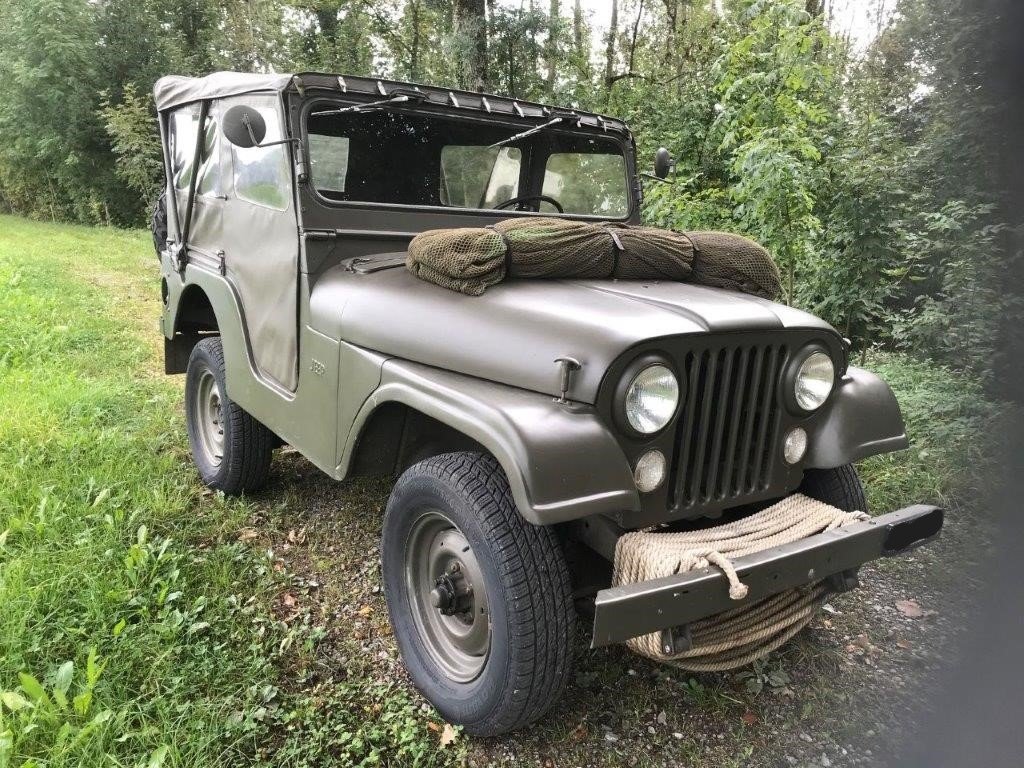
(208, 416)
(438, 557)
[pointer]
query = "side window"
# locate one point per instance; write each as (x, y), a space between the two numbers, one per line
(328, 161)
(184, 123)
(261, 174)
(479, 176)
(587, 183)
(183, 143)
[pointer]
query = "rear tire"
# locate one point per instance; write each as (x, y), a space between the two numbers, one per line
(158, 223)
(840, 487)
(454, 515)
(230, 448)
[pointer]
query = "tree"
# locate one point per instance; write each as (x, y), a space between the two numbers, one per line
(773, 92)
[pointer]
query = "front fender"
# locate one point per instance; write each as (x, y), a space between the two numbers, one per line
(561, 461)
(863, 419)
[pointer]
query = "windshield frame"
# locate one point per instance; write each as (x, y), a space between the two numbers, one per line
(622, 141)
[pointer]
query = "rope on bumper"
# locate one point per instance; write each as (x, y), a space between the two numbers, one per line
(736, 637)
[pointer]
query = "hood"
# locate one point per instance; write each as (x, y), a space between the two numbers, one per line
(515, 330)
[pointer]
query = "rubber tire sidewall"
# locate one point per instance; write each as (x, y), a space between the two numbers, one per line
(476, 705)
(839, 486)
(247, 447)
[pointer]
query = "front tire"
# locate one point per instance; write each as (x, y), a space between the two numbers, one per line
(840, 487)
(480, 600)
(231, 449)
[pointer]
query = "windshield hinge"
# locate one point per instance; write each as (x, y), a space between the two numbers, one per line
(178, 255)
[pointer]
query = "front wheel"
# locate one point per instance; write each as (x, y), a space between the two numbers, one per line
(231, 449)
(840, 487)
(480, 600)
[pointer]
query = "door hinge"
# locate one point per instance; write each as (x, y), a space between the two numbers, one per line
(222, 266)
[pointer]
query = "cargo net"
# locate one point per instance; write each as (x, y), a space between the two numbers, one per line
(739, 636)
(470, 260)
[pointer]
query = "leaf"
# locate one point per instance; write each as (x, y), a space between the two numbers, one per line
(748, 718)
(157, 758)
(199, 626)
(64, 676)
(3, 538)
(82, 702)
(14, 700)
(33, 688)
(448, 735)
(909, 608)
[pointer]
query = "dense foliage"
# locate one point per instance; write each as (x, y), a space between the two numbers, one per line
(875, 176)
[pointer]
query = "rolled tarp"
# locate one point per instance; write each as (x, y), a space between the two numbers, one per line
(470, 260)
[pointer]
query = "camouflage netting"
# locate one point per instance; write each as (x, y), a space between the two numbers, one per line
(736, 263)
(469, 260)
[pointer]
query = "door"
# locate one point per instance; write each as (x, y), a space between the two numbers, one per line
(260, 244)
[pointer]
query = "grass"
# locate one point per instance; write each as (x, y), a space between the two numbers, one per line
(135, 628)
(144, 622)
(953, 429)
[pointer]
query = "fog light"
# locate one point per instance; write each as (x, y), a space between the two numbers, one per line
(650, 471)
(795, 446)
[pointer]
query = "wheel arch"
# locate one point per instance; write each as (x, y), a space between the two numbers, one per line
(203, 304)
(561, 461)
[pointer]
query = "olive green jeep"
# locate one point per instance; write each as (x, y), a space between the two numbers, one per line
(529, 428)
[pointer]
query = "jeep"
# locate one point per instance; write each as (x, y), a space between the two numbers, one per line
(529, 428)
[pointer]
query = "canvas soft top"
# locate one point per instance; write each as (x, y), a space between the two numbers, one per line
(175, 90)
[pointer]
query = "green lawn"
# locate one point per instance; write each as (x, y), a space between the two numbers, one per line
(135, 627)
(140, 619)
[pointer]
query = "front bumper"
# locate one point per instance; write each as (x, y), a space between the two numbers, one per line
(671, 603)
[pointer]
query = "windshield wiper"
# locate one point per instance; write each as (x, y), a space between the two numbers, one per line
(530, 132)
(364, 107)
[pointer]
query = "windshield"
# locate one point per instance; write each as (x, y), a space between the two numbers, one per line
(384, 156)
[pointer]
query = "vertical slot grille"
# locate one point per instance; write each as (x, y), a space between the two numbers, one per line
(730, 422)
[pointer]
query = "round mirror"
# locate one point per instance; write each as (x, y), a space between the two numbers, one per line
(243, 126)
(662, 163)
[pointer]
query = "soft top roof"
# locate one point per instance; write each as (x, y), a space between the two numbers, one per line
(175, 90)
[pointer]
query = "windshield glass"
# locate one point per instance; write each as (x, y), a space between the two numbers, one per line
(385, 156)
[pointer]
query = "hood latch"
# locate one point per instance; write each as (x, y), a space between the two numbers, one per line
(567, 366)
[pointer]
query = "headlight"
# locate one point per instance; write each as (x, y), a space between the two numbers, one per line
(814, 380)
(651, 399)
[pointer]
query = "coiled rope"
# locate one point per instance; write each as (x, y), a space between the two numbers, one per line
(741, 635)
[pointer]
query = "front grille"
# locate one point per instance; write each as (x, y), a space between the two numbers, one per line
(728, 431)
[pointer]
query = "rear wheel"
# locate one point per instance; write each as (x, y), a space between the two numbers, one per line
(840, 487)
(479, 599)
(231, 449)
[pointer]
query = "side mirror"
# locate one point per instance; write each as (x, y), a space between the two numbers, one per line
(663, 163)
(243, 126)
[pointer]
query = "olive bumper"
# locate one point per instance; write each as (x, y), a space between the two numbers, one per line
(673, 602)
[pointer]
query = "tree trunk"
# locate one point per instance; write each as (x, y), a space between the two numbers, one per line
(609, 51)
(554, 35)
(414, 48)
(470, 22)
(577, 28)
